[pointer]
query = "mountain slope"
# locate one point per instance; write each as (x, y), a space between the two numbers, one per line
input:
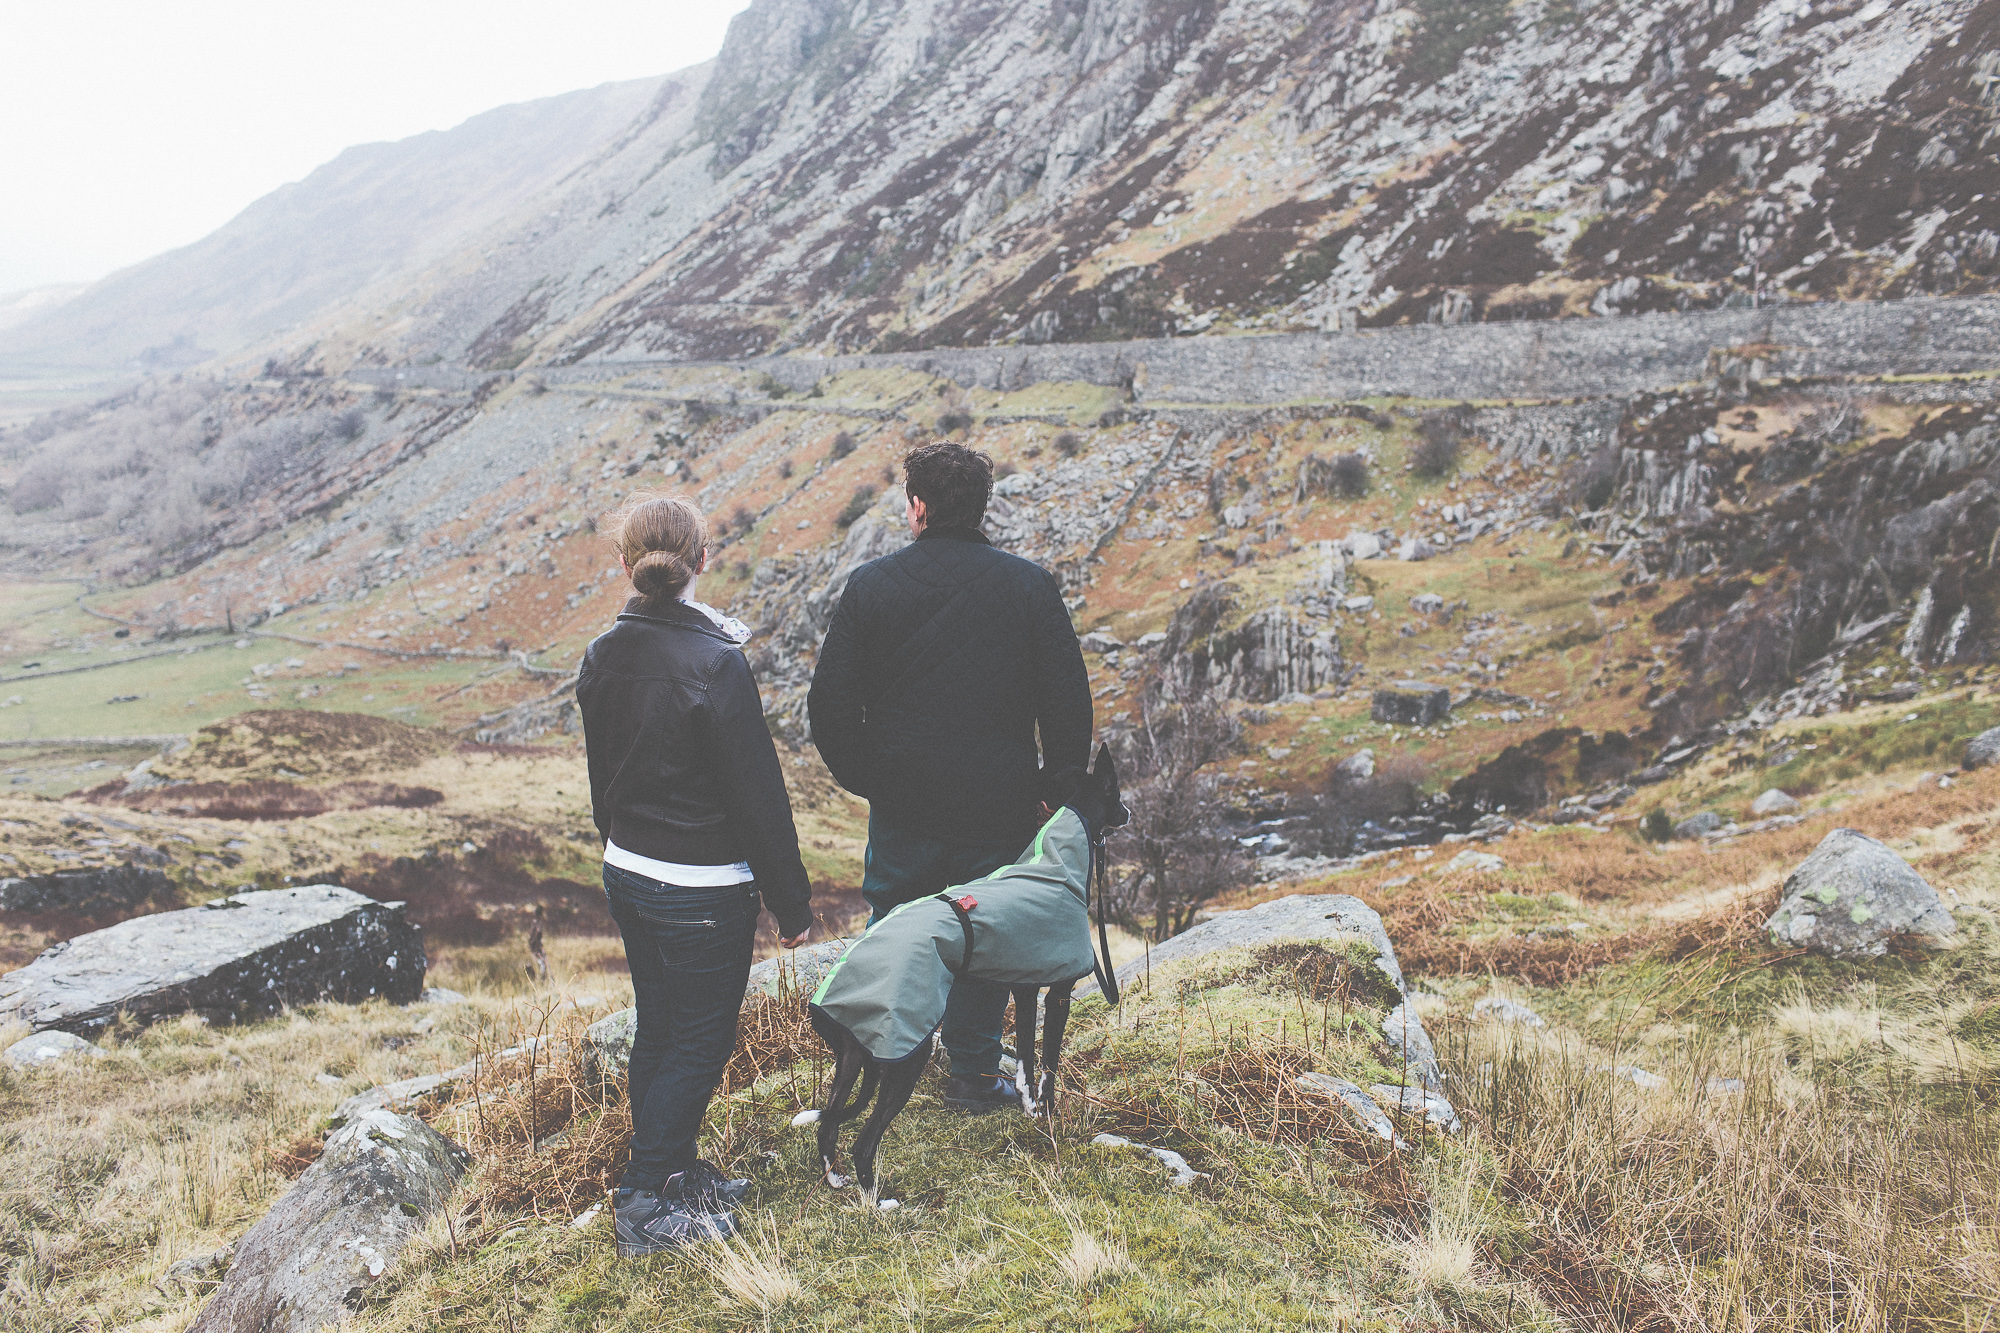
(913, 175)
(304, 246)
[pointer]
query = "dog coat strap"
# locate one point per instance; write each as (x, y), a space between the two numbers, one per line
(962, 908)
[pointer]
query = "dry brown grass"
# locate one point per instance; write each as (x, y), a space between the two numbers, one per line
(1818, 1203)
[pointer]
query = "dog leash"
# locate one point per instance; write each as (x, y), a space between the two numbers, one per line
(1107, 976)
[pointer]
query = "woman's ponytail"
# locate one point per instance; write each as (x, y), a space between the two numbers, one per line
(662, 539)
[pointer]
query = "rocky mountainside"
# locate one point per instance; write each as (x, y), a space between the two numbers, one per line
(361, 217)
(884, 175)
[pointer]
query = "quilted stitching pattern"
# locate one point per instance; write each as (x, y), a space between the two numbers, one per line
(957, 652)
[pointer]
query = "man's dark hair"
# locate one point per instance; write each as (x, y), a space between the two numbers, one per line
(952, 481)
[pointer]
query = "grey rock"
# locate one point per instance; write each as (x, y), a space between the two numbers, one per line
(1773, 802)
(196, 1274)
(1646, 777)
(1416, 1101)
(1427, 603)
(1299, 916)
(1358, 766)
(1983, 749)
(1404, 1032)
(1724, 1087)
(440, 995)
(1358, 605)
(1099, 641)
(1372, 1117)
(1634, 1075)
(1503, 1010)
(309, 1261)
(1695, 825)
(1852, 896)
(1410, 703)
(1484, 863)
(797, 972)
(86, 892)
(1179, 1174)
(249, 954)
(610, 1040)
(45, 1048)
(1363, 545)
(402, 1096)
(1415, 548)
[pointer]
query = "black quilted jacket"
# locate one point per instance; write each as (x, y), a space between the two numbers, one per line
(681, 764)
(941, 663)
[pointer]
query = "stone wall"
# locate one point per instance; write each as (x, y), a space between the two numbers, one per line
(1572, 358)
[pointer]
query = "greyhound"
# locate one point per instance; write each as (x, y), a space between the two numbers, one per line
(1026, 925)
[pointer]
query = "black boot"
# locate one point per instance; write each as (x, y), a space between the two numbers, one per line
(649, 1224)
(702, 1188)
(979, 1094)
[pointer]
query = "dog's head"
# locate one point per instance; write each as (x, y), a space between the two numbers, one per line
(1096, 797)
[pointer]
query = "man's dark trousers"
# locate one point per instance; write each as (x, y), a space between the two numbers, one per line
(904, 863)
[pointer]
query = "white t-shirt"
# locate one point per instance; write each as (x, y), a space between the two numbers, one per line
(672, 872)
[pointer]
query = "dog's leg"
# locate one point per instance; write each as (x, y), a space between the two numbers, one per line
(852, 1062)
(898, 1082)
(1052, 1043)
(1024, 1046)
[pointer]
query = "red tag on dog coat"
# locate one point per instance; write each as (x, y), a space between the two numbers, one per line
(966, 902)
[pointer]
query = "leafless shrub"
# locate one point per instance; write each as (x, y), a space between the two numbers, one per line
(1067, 443)
(1441, 435)
(843, 445)
(950, 423)
(1352, 801)
(1180, 851)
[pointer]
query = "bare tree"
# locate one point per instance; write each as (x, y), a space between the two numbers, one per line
(1179, 849)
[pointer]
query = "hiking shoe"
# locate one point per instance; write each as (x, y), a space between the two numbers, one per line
(649, 1224)
(702, 1186)
(979, 1095)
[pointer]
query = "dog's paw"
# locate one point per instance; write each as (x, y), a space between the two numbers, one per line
(837, 1181)
(805, 1118)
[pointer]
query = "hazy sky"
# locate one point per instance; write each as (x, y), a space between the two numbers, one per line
(134, 126)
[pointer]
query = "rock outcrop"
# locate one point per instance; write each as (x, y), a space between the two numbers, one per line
(249, 954)
(1304, 916)
(1983, 749)
(45, 1048)
(1852, 897)
(1410, 703)
(308, 1261)
(86, 892)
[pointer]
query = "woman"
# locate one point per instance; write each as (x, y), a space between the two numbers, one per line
(687, 793)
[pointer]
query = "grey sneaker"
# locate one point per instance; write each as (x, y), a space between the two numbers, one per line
(649, 1224)
(979, 1095)
(703, 1187)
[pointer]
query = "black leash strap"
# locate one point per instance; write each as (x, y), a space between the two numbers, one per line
(965, 923)
(1107, 976)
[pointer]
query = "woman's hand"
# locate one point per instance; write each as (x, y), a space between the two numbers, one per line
(796, 940)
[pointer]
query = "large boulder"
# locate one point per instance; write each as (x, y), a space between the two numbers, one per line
(1852, 896)
(1411, 703)
(1983, 749)
(1307, 917)
(308, 1261)
(86, 892)
(248, 954)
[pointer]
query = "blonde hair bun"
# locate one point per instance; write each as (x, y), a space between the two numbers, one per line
(662, 539)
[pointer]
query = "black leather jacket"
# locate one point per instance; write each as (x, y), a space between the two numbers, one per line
(682, 767)
(944, 663)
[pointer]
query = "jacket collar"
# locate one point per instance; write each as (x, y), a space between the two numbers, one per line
(687, 615)
(953, 533)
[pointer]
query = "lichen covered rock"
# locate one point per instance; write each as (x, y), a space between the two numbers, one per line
(1854, 895)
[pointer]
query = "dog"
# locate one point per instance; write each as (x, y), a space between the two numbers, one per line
(1026, 925)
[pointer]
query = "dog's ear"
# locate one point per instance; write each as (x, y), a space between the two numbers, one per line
(1105, 771)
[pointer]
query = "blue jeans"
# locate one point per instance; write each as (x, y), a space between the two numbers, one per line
(904, 863)
(689, 950)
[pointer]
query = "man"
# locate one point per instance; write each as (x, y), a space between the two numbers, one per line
(943, 663)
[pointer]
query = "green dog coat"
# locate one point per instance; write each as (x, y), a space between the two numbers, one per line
(1027, 924)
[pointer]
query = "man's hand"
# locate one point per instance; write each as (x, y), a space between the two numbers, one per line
(796, 940)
